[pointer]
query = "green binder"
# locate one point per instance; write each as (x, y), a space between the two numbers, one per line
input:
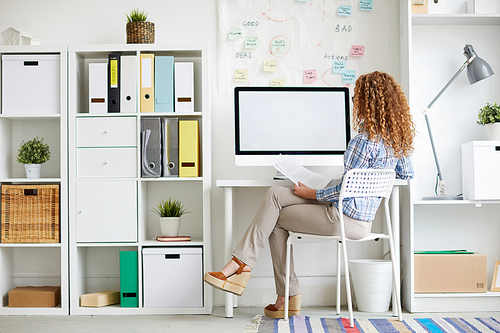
(129, 279)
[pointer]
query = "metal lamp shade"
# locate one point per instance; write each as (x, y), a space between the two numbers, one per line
(478, 69)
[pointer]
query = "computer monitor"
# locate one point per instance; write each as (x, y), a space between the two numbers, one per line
(308, 124)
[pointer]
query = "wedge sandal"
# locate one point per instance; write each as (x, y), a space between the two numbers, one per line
(235, 283)
(293, 308)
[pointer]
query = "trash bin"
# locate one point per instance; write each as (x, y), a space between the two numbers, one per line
(372, 280)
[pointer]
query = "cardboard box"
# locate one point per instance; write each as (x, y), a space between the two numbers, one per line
(100, 299)
(450, 273)
(34, 297)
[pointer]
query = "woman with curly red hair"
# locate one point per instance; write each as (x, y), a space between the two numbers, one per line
(385, 129)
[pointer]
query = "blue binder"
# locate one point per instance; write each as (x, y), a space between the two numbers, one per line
(164, 84)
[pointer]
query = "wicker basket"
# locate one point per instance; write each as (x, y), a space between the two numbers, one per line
(30, 214)
(140, 33)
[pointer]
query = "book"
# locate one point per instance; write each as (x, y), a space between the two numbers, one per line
(297, 173)
(172, 238)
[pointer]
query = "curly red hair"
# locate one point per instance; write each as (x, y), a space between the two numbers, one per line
(381, 110)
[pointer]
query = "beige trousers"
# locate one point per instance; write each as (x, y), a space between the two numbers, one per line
(283, 211)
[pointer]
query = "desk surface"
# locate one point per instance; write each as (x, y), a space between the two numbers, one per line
(271, 182)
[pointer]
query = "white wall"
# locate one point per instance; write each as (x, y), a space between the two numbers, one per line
(65, 22)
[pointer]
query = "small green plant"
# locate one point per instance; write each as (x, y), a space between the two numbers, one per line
(170, 208)
(489, 114)
(33, 152)
(137, 15)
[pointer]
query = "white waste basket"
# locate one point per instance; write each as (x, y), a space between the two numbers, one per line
(372, 280)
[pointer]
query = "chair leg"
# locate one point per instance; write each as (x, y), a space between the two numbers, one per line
(339, 258)
(348, 285)
(287, 278)
(395, 267)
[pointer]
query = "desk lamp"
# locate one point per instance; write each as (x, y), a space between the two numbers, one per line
(477, 69)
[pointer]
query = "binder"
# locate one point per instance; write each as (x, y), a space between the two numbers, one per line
(184, 86)
(128, 84)
(113, 82)
(189, 148)
(164, 84)
(147, 82)
(98, 88)
(151, 147)
(170, 144)
(129, 279)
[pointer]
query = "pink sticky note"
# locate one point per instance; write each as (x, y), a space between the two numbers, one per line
(357, 51)
(310, 76)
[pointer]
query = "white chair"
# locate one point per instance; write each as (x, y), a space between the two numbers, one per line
(356, 183)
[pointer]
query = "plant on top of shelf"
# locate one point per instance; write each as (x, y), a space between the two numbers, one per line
(32, 154)
(170, 212)
(489, 116)
(139, 29)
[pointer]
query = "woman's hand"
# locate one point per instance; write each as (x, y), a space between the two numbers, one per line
(303, 191)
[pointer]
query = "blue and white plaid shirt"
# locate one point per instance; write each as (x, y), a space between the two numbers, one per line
(366, 154)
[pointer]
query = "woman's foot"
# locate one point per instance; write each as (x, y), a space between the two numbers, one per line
(232, 278)
(277, 310)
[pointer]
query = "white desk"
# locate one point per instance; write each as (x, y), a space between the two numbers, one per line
(229, 185)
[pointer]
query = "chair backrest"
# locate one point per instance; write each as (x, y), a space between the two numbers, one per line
(368, 183)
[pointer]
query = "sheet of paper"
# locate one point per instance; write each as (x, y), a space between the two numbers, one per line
(241, 75)
(310, 76)
(297, 173)
(349, 77)
(365, 4)
(233, 34)
(357, 51)
(277, 82)
(338, 67)
(252, 42)
(345, 10)
(270, 66)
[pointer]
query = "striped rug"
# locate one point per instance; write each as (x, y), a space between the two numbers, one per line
(305, 324)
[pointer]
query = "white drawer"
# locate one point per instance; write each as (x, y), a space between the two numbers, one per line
(106, 162)
(106, 132)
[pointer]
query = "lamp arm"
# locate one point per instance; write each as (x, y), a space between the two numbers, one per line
(441, 182)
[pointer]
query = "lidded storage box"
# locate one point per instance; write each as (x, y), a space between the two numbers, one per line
(30, 83)
(480, 176)
(30, 214)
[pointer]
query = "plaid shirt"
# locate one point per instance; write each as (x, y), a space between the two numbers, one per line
(366, 154)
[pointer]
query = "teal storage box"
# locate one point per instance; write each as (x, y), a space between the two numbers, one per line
(129, 279)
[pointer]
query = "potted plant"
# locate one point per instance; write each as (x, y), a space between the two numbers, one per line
(32, 154)
(489, 116)
(139, 29)
(170, 212)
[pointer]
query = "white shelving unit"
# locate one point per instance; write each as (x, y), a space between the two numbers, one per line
(418, 231)
(36, 264)
(94, 260)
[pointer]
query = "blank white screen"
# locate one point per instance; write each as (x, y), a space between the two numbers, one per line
(292, 121)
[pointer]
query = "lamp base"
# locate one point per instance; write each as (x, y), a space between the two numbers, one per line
(443, 197)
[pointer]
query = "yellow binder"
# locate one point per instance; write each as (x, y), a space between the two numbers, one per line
(189, 149)
(147, 82)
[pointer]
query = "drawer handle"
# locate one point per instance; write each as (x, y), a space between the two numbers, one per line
(105, 132)
(80, 212)
(105, 163)
(172, 256)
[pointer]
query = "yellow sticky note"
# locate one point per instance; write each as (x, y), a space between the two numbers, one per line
(270, 65)
(241, 75)
(277, 83)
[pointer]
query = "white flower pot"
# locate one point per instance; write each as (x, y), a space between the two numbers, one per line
(170, 226)
(493, 131)
(33, 170)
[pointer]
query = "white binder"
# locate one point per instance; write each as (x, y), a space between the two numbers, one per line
(98, 88)
(128, 80)
(184, 86)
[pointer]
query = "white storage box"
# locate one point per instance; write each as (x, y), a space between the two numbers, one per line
(172, 277)
(30, 84)
(480, 176)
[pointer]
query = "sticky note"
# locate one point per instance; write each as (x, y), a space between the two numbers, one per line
(338, 67)
(357, 51)
(277, 83)
(310, 76)
(270, 66)
(345, 10)
(251, 42)
(365, 4)
(233, 34)
(241, 75)
(278, 46)
(349, 77)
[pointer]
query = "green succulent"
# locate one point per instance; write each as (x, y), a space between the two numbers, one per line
(489, 114)
(33, 152)
(170, 208)
(137, 15)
